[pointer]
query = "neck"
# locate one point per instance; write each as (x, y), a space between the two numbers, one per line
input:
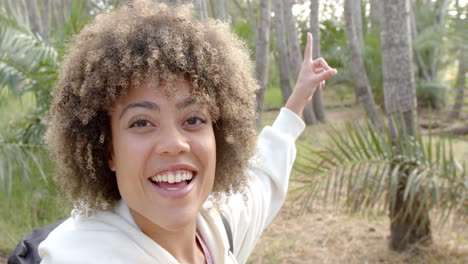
(181, 243)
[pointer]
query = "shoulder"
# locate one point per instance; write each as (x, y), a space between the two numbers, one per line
(88, 240)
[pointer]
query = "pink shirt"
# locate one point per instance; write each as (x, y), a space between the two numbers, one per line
(206, 252)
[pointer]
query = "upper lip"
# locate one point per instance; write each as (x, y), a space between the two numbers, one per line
(175, 167)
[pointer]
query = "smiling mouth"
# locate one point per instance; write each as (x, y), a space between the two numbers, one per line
(173, 180)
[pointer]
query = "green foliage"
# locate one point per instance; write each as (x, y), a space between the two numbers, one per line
(360, 163)
(23, 60)
(30, 204)
(20, 159)
(28, 65)
(431, 94)
(273, 97)
(246, 33)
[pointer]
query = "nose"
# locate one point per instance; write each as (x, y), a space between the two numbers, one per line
(171, 141)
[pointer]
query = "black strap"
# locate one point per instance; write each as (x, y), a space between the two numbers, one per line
(26, 251)
(228, 232)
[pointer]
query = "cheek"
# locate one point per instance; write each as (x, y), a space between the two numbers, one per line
(210, 150)
(205, 148)
(129, 154)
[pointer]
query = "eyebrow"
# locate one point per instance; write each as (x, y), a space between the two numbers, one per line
(142, 104)
(186, 103)
(153, 106)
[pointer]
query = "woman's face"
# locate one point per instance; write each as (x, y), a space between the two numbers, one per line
(164, 155)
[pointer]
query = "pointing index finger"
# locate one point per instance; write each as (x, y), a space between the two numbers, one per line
(309, 47)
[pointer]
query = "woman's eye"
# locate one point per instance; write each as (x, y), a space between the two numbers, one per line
(194, 121)
(140, 123)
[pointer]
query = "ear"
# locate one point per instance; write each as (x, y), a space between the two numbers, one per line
(111, 162)
(111, 158)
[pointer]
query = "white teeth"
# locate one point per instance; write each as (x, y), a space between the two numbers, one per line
(173, 178)
(170, 178)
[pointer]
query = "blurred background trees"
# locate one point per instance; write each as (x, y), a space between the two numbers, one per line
(358, 37)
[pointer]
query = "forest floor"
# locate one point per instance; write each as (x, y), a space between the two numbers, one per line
(329, 235)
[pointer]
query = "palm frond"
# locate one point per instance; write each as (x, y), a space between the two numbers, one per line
(361, 161)
(22, 58)
(21, 160)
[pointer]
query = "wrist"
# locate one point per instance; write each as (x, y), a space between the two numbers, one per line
(295, 104)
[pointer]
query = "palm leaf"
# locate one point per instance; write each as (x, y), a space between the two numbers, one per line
(21, 160)
(360, 159)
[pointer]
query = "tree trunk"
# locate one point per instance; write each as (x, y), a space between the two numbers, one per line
(221, 10)
(374, 14)
(282, 59)
(200, 6)
(363, 92)
(46, 21)
(400, 104)
(440, 20)
(462, 67)
(460, 84)
(422, 73)
(262, 52)
(292, 40)
(295, 55)
(357, 14)
(253, 22)
(317, 99)
(427, 65)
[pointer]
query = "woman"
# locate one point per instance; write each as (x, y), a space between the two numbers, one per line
(152, 130)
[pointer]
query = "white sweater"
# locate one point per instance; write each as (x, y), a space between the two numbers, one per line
(113, 237)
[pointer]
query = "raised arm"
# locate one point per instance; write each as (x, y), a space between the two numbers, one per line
(273, 162)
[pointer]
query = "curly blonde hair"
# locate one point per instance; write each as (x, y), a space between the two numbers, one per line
(122, 48)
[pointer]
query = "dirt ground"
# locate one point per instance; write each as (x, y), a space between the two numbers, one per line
(327, 235)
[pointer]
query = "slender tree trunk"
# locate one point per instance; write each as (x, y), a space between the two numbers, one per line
(221, 10)
(46, 21)
(357, 14)
(200, 6)
(250, 11)
(212, 7)
(233, 14)
(460, 84)
(374, 14)
(262, 52)
(400, 104)
(295, 55)
(363, 92)
(443, 4)
(294, 50)
(282, 59)
(421, 65)
(462, 68)
(317, 99)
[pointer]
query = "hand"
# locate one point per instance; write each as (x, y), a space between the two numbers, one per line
(312, 76)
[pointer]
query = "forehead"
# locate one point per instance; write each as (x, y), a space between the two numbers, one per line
(154, 89)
